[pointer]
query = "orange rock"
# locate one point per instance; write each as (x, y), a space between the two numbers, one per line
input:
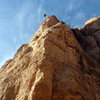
(53, 66)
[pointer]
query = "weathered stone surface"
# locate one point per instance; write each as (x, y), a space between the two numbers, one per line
(58, 64)
(91, 20)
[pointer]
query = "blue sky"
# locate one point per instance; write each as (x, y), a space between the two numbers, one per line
(19, 19)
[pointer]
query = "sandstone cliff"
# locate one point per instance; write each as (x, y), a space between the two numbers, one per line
(59, 63)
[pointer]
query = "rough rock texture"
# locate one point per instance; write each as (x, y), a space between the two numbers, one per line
(59, 63)
(91, 20)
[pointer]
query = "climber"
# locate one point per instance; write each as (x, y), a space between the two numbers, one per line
(45, 15)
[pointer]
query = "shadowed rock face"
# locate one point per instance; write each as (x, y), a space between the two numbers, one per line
(59, 63)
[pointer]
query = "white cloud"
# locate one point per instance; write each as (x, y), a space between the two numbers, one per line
(39, 11)
(28, 16)
(74, 15)
(69, 7)
(73, 6)
(80, 15)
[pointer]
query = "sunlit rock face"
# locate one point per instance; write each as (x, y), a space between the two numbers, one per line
(59, 63)
(91, 20)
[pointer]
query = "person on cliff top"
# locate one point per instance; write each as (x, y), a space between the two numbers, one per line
(45, 15)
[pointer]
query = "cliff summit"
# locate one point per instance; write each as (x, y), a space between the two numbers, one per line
(59, 63)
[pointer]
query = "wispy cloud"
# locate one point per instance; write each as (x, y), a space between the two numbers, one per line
(27, 19)
(72, 6)
(28, 15)
(40, 9)
(21, 19)
(80, 15)
(74, 15)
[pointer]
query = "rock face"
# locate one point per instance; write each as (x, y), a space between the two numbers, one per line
(59, 63)
(91, 20)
